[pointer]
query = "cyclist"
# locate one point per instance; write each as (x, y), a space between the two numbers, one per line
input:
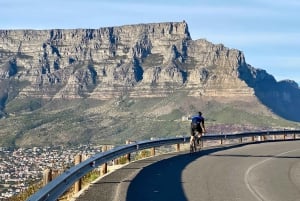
(197, 126)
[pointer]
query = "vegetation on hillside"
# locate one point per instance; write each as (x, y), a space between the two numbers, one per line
(73, 122)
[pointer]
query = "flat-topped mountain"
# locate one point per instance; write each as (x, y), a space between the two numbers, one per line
(41, 70)
(141, 60)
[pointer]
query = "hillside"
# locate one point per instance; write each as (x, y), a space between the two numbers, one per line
(131, 82)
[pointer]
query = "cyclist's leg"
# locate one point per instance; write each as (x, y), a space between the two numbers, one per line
(192, 134)
(195, 144)
(191, 144)
(191, 139)
(199, 134)
(199, 139)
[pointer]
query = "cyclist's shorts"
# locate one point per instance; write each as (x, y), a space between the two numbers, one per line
(195, 127)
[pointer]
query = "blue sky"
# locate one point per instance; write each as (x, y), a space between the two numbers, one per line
(267, 31)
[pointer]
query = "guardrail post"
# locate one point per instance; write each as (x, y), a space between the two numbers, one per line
(153, 151)
(294, 136)
(47, 176)
(177, 147)
(221, 140)
(284, 136)
(104, 169)
(77, 186)
(128, 158)
(128, 155)
(241, 140)
(104, 166)
(253, 138)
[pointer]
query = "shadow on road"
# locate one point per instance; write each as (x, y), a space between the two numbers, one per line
(162, 180)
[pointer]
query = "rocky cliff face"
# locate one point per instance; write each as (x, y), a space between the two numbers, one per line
(281, 97)
(145, 60)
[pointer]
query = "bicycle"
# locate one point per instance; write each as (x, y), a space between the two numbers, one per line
(195, 141)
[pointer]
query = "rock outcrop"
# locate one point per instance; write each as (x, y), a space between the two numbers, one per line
(144, 60)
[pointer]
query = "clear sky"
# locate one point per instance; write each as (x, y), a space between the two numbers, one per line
(267, 31)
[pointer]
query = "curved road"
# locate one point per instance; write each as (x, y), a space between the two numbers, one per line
(249, 172)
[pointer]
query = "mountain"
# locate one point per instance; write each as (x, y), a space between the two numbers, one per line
(108, 84)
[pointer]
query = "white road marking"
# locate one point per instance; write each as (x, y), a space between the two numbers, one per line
(256, 193)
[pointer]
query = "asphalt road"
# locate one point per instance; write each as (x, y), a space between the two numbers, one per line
(254, 172)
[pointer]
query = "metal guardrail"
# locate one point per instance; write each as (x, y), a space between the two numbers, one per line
(264, 134)
(54, 189)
